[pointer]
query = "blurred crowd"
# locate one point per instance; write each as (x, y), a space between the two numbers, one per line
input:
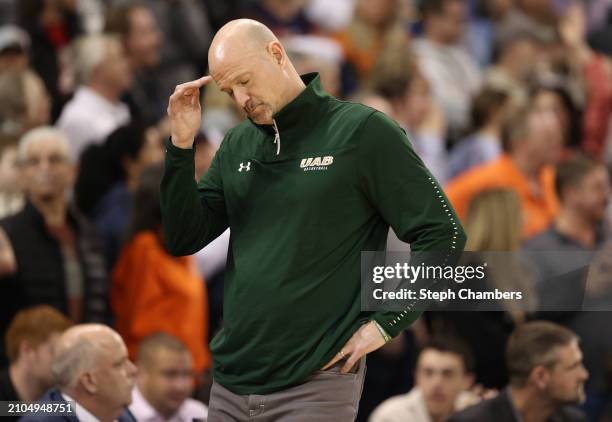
(507, 102)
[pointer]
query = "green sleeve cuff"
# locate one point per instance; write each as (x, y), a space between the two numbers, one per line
(176, 151)
(394, 323)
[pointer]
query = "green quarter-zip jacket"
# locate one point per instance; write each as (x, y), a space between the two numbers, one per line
(302, 197)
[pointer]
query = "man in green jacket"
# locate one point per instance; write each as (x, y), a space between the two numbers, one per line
(305, 184)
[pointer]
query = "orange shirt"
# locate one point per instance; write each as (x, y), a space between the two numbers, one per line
(538, 211)
(153, 291)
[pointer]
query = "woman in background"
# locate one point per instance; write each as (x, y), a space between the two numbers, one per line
(493, 227)
(108, 174)
(153, 291)
(484, 143)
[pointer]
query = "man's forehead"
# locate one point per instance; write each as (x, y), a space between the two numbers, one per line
(234, 61)
(46, 146)
(432, 358)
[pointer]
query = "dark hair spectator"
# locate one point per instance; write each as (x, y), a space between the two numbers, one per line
(533, 345)
(397, 78)
(165, 381)
(546, 373)
(555, 98)
(484, 141)
(108, 174)
(52, 26)
(443, 378)
(444, 27)
(166, 44)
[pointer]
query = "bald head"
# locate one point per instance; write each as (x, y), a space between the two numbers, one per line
(79, 348)
(96, 334)
(239, 38)
(247, 61)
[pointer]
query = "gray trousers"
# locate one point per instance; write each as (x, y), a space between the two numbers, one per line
(326, 396)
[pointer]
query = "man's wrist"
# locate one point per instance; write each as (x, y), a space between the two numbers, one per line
(182, 144)
(382, 331)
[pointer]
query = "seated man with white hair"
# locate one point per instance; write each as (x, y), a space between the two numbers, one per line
(48, 252)
(103, 73)
(92, 369)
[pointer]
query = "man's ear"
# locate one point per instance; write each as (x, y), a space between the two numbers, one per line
(540, 377)
(89, 382)
(276, 51)
(27, 350)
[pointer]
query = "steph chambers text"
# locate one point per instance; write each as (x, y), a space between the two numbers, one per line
(444, 295)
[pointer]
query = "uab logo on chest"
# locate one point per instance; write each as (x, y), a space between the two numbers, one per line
(316, 163)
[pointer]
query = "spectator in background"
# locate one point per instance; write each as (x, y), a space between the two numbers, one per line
(166, 43)
(556, 99)
(139, 32)
(310, 53)
(165, 382)
(583, 187)
(397, 79)
(443, 377)
(493, 225)
(187, 34)
(536, 17)
(92, 369)
(283, 17)
(452, 72)
(330, 17)
(11, 193)
(30, 342)
(52, 254)
(546, 377)
(24, 103)
(14, 48)
(514, 69)
(153, 291)
(535, 143)
(595, 69)
(109, 174)
(376, 30)
(52, 26)
(96, 110)
(484, 144)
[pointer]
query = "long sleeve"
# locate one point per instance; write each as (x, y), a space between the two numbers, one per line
(409, 198)
(193, 215)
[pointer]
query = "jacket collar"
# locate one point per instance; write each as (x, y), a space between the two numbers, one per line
(303, 111)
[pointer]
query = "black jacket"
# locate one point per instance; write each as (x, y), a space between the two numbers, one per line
(41, 274)
(500, 409)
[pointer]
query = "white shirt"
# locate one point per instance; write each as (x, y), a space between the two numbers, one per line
(82, 414)
(454, 77)
(89, 118)
(144, 412)
(411, 407)
(212, 258)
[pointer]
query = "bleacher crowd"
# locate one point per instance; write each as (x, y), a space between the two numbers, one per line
(507, 102)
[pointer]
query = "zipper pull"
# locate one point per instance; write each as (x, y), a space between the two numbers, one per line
(276, 137)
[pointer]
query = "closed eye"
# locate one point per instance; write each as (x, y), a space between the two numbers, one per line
(244, 82)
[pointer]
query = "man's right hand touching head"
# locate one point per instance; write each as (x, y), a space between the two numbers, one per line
(185, 112)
